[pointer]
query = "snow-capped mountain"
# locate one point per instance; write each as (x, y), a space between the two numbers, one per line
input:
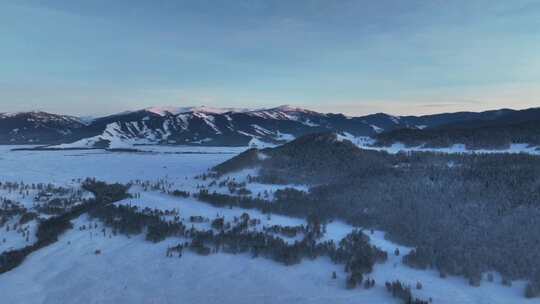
(217, 126)
(223, 127)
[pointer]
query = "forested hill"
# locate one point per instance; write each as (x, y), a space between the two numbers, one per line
(315, 158)
(465, 213)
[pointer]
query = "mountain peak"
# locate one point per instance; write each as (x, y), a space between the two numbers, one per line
(162, 111)
(289, 108)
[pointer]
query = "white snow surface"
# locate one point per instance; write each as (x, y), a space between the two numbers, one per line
(60, 167)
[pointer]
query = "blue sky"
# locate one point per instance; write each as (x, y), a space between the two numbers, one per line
(401, 57)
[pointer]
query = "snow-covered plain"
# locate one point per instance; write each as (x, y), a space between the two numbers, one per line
(132, 270)
(61, 167)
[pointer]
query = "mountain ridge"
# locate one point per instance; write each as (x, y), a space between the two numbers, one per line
(226, 126)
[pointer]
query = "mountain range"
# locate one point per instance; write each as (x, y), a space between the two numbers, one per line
(242, 127)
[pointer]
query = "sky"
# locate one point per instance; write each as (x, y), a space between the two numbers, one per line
(351, 56)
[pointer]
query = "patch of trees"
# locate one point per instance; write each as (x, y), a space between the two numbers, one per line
(358, 256)
(180, 193)
(225, 200)
(286, 231)
(106, 193)
(50, 229)
(402, 292)
(218, 223)
(13, 258)
(55, 206)
(129, 220)
(287, 201)
(162, 185)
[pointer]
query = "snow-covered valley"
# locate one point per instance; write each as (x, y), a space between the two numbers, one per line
(96, 266)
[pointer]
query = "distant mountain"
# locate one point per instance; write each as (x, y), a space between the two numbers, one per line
(220, 127)
(437, 120)
(38, 128)
(486, 130)
(238, 127)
